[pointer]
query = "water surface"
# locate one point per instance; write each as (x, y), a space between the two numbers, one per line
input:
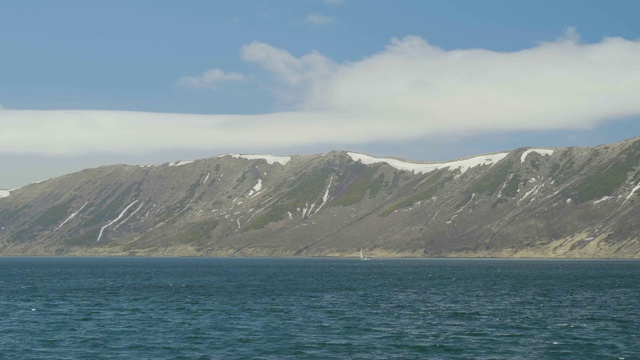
(201, 308)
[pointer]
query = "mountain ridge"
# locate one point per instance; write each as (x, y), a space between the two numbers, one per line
(527, 202)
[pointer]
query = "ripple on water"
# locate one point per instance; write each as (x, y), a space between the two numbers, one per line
(318, 308)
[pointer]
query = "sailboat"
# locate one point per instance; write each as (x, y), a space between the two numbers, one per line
(362, 256)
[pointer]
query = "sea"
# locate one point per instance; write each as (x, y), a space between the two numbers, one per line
(317, 308)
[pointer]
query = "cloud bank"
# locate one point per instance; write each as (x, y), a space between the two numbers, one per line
(556, 85)
(410, 89)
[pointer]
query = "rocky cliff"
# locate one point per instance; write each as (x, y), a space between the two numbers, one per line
(563, 202)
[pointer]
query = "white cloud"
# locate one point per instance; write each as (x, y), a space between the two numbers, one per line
(210, 79)
(318, 19)
(295, 74)
(558, 85)
(410, 89)
(287, 68)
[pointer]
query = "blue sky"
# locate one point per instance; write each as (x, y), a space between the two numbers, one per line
(306, 66)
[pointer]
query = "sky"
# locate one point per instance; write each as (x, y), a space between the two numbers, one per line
(91, 83)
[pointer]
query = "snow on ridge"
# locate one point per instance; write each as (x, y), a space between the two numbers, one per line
(542, 152)
(180, 163)
(270, 159)
(7, 193)
(421, 168)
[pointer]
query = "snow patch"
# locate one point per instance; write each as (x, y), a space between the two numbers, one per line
(605, 198)
(326, 193)
(504, 185)
(533, 191)
(421, 168)
(115, 220)
(325, 196)
(180, 163)
(256, 189)
(71, 216)
(270, 159)
(542, 152)
(207, 178)
(465, 205)
(39, 181)
(631, 194)
(4, 193)
(130, 215)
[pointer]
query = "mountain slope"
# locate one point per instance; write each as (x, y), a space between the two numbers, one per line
(568, 202)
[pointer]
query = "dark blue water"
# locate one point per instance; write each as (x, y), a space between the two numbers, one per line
(195, 308)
